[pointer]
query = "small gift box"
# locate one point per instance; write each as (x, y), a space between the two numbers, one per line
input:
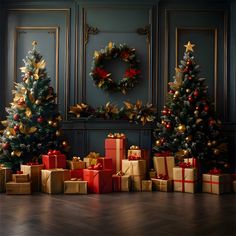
(134, 153)
(99, 181)
(18, 188)
(146, 185)
(121, 183)
(115, 148)
(163, 185)
(20, 178)
(53, 180)
(91, 159)
(185, 179)
(216, 183)
(54, 159)
(76, 164)
(78, 174)
(34, 172)
(75, 187)
(164, 163)
(5, 176)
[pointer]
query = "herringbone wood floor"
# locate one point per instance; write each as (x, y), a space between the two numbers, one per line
(144, 213)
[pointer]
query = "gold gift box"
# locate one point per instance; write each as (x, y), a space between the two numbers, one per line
(34, 172)
(146, 186)
(185, 179)
(76, 165)
(20, 178)
(216, 184)
(163, 185)
(5, 176)
(52, 181)
(121, 183)
(75, 187)
(164, 165)
(18, 188)
(134, 167)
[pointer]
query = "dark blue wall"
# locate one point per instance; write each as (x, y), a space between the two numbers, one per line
(60, 29)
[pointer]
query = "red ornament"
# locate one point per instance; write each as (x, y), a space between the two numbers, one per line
(190, 98)
(16, 117)
(206, 108)
(16, 128)
(196, 93)
(164, 112)
(5, 146)
(197, 107)
(186, 69)
(189, 62)
(190, 77)
(40, 119)
(171, 91)
(168, 126)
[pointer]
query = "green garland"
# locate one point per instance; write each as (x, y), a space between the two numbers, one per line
(103, 78)
(136, 113)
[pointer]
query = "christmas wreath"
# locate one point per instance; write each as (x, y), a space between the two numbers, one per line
(103, 78)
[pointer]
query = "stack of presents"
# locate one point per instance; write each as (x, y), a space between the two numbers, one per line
(120, 170)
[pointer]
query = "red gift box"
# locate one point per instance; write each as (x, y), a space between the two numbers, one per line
(115, 148)
(78, 174)
(99, 181)
(106, 162)
(54, 159)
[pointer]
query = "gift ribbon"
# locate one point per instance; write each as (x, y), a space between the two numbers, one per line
(211, 182)
(116, 135)
(215, 171)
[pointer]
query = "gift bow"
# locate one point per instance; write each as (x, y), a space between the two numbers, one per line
(133, 157)
(185, 165)
(120, 173)
(98, 166)
(54, 152)
(116, 135)
(76, 158)
(134, 147)
(215, 171)
(93, 155)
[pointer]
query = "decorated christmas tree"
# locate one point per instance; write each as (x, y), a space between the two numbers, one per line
(189, 126)
(32, 124)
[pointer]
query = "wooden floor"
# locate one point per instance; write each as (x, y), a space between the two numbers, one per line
(144, 213)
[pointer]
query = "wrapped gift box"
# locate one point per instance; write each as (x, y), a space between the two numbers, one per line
(34, 172)
(75, 187)
(52, 181)
(152, 174)
(18, 188)
(146, 185)
(99, 181)
(164, 165)
(5, 176)
(121, 183)
(115, 148)
(185, 179)
(76, 165)
(78, 174)
(20, 178)
(191, 161)
(163, 185)
(216, 184)
(54, 161)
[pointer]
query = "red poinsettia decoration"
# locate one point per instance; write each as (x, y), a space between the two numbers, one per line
(101, 72)
(131, 73)
(124, 55)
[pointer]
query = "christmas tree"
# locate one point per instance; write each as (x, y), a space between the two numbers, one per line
(189, 126)
(32, 124)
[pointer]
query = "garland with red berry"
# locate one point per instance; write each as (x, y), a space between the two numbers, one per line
(103, 78)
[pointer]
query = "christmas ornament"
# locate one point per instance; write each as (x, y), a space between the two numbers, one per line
(188, 90)
(65, 143)
(55, 124)
(216, 151)
(206, 108)
(189, 47)
(50, 122)
(196, 93)
(40, 119)
(16, 128)
(189, 138)
(16, 117)
(209, 143)
(38, 102)
(181, 128)
(158, 142)
(190, 98)
(196, 113)
(5, 146)
(58, 133)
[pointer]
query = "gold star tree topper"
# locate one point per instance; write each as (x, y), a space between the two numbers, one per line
(189, 47)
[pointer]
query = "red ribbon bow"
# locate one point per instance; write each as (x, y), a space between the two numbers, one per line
(54, 152)
(185, 165)
(215, 171)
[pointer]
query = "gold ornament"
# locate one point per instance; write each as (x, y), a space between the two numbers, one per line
(198, 121)
(28, 112)
(96, 54)
(8, 133)
(16, 153)
(216, 151)
(189, 138)
(213, 142)
(58, 133)
(209, 143)
(186, 152)
(189, 46)
(181, 128)
(65, 143)
(188, 90)
(27, 130)
(50, 122)
(176, 93)
(196, 113)
(158, 143)
(37, 102)
(54, 124)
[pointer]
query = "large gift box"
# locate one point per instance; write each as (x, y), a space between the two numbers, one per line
(164, 164)
(53, 180)
(20, 178)
(217, 184)
(146, 185)
(185, 179)
(121, 183)
(99, 181)
(34, 172)
(115, 148)
(54, 159)
(163, 185)
(137, 170)
(5, 176)
(18, 188)
(75, 187)
(78, 174)
(75, 164)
